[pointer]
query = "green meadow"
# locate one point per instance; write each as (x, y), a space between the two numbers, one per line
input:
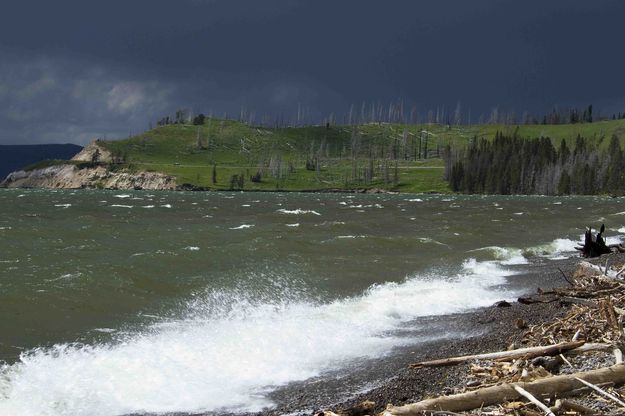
(405, 158)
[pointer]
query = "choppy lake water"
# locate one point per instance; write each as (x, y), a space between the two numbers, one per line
(115, 303)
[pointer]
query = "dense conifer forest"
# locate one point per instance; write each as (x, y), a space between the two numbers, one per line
(513, 165)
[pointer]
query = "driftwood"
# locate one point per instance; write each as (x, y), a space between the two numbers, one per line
(506, 392)
(576, 407)
(594, 247)
(530, 352)
(529, 396)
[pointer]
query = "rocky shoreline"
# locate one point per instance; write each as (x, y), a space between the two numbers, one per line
(389, 380)
(494, 328)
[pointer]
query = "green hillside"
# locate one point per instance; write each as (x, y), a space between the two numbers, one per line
(405, 158)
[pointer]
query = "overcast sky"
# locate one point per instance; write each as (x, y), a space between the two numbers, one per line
(73, 70)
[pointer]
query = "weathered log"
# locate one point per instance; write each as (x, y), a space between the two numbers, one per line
(529, 396)
(576, 407)
(530, 352)
(507, 392)
(602, 392)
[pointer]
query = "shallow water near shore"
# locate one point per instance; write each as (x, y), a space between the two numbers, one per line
(127, 302)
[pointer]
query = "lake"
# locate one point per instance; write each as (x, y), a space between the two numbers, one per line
(115, 303)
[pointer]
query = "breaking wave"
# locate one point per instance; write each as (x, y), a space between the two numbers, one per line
(235, 347)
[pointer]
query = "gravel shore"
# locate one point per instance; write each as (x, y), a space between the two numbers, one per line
(389, 380)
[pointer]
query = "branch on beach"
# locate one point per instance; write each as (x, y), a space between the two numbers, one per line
(487, 396)
(527, 353)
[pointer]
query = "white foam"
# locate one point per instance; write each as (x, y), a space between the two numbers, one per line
(505, 255)
(427, 240)
(621, 230)
(121, 206)
(557, 249)
(105, 330)
(63, 205)
(148, 206)
(298, 211)
(122, 196)
(293, 225)
(242, 227)
(414, 200)
(192, 248)
(233, 349)
(166, 206)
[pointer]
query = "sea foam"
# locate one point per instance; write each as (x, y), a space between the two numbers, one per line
(233, 348)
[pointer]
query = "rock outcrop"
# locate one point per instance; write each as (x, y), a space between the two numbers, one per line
(88, 152)
(70, 176)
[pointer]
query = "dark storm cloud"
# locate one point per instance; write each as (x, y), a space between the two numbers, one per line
(73, 70)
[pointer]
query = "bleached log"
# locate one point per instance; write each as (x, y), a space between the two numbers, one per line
(534, 400)
(506, 392)
(602, 392)
(588, 269)
(518, 353)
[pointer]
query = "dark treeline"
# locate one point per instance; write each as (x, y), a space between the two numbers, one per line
(512, 165)
(395, 112)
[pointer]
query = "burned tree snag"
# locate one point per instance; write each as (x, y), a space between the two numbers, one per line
(594, 247)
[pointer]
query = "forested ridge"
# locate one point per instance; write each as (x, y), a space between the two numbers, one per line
(514, 165)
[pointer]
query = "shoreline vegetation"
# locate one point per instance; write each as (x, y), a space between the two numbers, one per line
(210, 154)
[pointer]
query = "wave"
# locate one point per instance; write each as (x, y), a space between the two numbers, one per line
(504, 255)
(557, 249)
(298, 211)
(235, 347)
(242, 227)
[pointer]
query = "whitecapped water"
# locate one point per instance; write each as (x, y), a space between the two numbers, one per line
(209, 301)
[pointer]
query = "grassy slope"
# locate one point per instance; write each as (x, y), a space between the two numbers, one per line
(238, 148)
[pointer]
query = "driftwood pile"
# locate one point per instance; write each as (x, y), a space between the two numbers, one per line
(569, 366)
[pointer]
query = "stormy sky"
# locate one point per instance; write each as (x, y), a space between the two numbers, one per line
(73, 70)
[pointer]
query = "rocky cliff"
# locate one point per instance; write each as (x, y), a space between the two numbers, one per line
(82, 172)
(72, 177)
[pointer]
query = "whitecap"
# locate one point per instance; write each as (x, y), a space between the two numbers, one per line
(298, 211)
(191, 248)
(166, 206)
(121, 206)
(242, 227)
(63, 205)
(293, 225)
(505, 255)
(122, 196)
(105, 330)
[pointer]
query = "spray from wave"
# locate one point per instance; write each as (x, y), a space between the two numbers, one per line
(234, 347)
